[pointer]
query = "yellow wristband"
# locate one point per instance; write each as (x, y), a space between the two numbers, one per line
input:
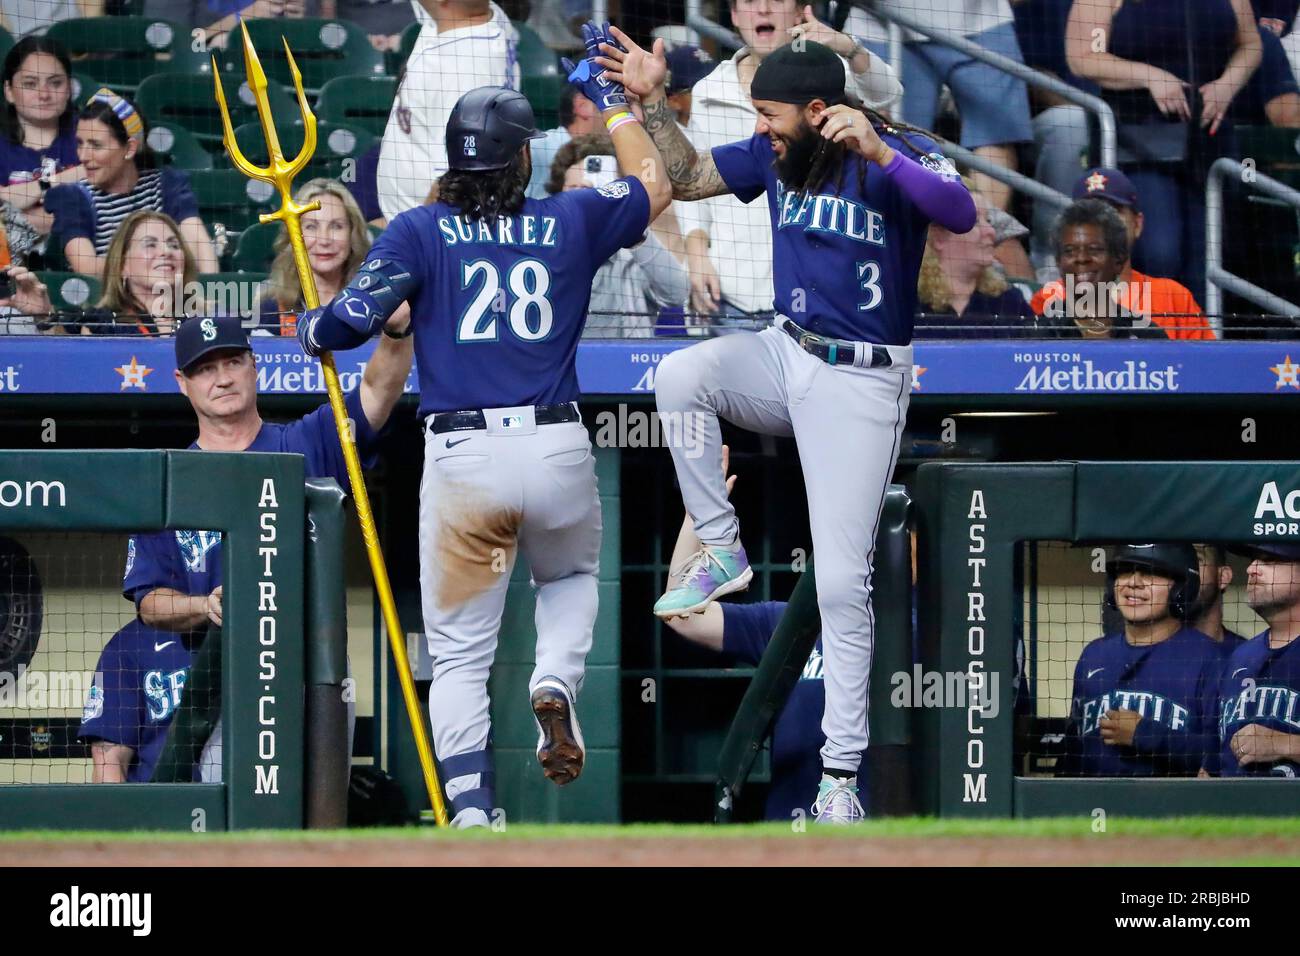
(619, 119)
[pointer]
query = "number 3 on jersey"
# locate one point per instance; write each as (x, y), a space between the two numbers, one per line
(869, 281)
(529, 316)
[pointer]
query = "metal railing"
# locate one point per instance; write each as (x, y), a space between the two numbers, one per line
(1216, 277)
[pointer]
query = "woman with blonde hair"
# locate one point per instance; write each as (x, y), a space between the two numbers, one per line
(961, 293)
(337, 240)
(148, 271)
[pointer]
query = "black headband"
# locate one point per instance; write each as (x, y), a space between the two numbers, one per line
(799, 73)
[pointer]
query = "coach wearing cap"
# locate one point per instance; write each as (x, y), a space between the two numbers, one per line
(1169, 304)
(174, 576)
(1259, 693)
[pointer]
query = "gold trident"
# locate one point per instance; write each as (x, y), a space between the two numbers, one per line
(280, 173)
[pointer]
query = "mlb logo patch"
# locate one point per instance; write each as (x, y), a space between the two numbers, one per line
(512, 421)
(470, 147)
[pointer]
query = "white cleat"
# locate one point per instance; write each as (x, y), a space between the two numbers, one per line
(837, 802)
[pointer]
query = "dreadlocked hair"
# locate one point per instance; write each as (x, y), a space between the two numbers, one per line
(829, 158)
(485, 194)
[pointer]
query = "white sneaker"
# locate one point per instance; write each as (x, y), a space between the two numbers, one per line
(560, 749)
(837, 802)
(470, 817)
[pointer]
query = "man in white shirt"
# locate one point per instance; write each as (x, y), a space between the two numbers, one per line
(463, 44)
(730, 251)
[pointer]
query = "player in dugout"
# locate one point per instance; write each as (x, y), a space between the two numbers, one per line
(174, 576)
(1259, 692)
(1143, 700)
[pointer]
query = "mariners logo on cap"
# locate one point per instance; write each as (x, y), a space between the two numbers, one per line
(209, 329)
(1096, 182)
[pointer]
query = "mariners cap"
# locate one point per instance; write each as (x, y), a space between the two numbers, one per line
(195, 338)
(487, 128)
(1170, 559)
(1269, 551)
(687, 65)
(799, 73)
(1109, 184)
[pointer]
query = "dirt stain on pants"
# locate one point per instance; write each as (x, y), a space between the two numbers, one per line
(476, 544)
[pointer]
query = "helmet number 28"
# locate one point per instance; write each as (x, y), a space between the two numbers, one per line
(529, 313)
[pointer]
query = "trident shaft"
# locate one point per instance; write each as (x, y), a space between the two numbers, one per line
(280, 173)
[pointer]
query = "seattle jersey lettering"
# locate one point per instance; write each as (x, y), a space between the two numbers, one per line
(1158, 709)
(162, 691)
(1261, 702)
(833, 214)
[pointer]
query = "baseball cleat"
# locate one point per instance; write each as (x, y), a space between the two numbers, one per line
(711, 573)
(470, 817)
(560, 749)
(837, 802)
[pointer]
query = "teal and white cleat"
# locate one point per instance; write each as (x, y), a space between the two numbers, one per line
(837, 802)
(710, 573)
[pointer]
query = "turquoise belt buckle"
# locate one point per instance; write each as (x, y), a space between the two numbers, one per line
(834, 350)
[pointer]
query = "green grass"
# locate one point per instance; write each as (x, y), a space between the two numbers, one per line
(900, 828)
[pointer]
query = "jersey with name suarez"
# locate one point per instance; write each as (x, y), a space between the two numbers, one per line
(797, 736)
(138, 685)
(1260, 685)
(498, 307)
(189, 561)
(1171, 685)
(844, 260)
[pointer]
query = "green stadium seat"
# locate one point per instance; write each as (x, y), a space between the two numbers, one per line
(335, 142)
(539, 70)
(71, 291)
(119, 52)
(323, 50)
(256, 247)
(82, 87)
(6, 42)
(225, 196)
(397, 60)
(189, 101)
(1275, 150)
(178, 147)
(360, 101)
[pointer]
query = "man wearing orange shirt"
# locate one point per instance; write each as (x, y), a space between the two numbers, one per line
(1169, 304)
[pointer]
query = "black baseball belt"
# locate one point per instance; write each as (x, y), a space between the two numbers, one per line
(476, 418)
(836, 351)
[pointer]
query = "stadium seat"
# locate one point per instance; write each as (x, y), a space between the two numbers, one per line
(71, 291)
(177, 146)
(539, 69)
(256, 247)
(82, 87)
(323, 50)
(188, 101)
(6, 42)
(398, 59)
(360, 101)
(120, 52)
(1275, 151)
(335, 143)
(225, 196)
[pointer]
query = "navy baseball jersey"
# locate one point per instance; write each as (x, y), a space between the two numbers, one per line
(138, 683)
(844, 260)
(190, 561)
(797, 735)
(1171, 684)
(1260, 685)
(498, 308)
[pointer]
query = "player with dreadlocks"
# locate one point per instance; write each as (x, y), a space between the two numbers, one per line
(850, 209)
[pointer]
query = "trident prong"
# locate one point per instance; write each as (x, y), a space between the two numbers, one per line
(280, 173)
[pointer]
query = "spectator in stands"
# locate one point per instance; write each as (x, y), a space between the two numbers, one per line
(1170, 70)
(364, 187)
(1090, 300)
(1272, 97)
(216, 18)
(578, 117)
(383, 20)
(148, 277)
(1259, 692)
(464, 44)
(120, 180)
(38, 136)
(993, 106)
(28, 310)
(731, 265)
(631, 287)
(1143, 697)
(687, 65)
(961, 293)
(21, 17)
(742, 632)
(1216, 577)
(337, 241)
(1169, 304)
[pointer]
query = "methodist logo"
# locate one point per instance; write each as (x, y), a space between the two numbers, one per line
(1070, 373)
(9, 378)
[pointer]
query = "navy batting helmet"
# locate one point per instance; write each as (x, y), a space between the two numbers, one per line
(1177, 562)
(487, 127)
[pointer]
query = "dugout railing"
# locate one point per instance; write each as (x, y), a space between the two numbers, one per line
(273, 684)
(973, 521)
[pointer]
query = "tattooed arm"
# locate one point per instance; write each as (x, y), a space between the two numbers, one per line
(693, 174)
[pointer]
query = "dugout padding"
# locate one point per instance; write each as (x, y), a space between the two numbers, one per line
(257, 501)
(971, 521)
